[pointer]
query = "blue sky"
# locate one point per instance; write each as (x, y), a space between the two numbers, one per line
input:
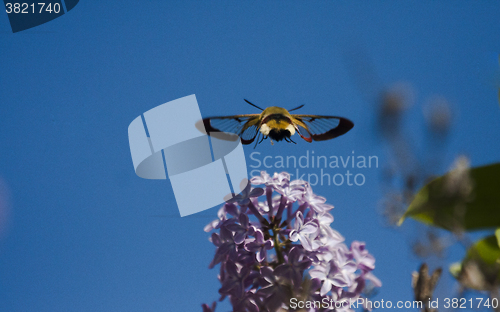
(84, 233)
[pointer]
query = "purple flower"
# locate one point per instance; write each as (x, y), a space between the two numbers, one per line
(294, 267)
(228, 208)
(265, 261)
(317, 203)
(234, 281)
(242, 229)
(292, 191)
(245, 303)
(333, 275)
(327, 235)
(365, 261)
(264, 206)
(273, 289)
(373, 279)
(206, 308)
(259, 245)
(246, 194)
(264, 178)
(225, 246)
(306, 233)
(217, 222)
(277, 181)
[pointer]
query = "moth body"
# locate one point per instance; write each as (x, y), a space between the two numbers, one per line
(277, 124)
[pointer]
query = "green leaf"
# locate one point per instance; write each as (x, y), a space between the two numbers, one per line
(460, 200)
(480, 268)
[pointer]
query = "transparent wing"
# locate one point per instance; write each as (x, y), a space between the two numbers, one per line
(245, 126)
(320, 128)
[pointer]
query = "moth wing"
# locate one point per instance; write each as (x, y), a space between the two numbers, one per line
(321, 128)
(245, 126)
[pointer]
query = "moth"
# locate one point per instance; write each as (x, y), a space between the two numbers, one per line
(278, 124)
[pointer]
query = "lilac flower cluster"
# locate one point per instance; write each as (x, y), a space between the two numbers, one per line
(283, 247)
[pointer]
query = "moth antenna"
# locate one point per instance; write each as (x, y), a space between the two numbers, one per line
(253, 104)
(296, 108)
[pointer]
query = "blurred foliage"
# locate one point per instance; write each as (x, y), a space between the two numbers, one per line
(480, 269)
(462, 200)
(423, 285)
